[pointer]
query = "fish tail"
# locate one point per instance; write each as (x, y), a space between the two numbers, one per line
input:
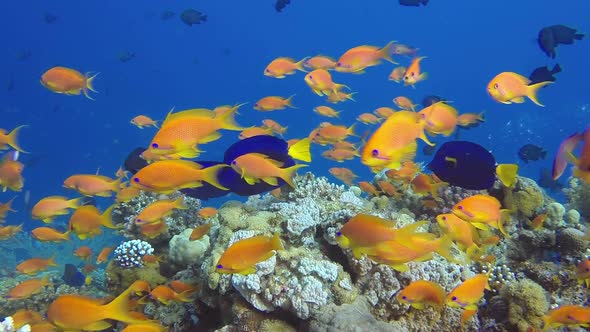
(210, 176)
(350, 130)
(533, 89)
(299, 64)
(386, 52)
(74, 203)
(12, 139)
(179, 203)
(556, 69)
(228, 120)
(443, 248)
(300, 150)
(579, 36)
(481, 116)
(107, 220)
(424, 138)
(338, 87)
(51, 260)
(289, 101)
(66, 236)
(435, 188)
(287, 174)
(89, 80)
(116, 184)
(45, 280)
(504, 217)
(120, 309)
(275, 242)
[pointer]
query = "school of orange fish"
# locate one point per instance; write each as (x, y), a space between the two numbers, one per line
(390, 148)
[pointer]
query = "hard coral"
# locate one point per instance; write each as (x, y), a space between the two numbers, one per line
(527, 304)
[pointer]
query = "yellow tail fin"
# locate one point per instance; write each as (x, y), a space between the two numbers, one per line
(533, 89)
(12, 139)
(300, 150)
(287, 174)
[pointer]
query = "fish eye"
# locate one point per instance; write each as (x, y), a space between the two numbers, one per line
(338, 233)
(444, 218)
(587, 269)
(256, 105)
(310, 77)
(496, 86)
(136, 180)
(375, 153)
(234, 162)
(460, 207)
(138, 220)
(268, 71)
(219, 266)
(155, 145)
(454, 298)
(404, 297)
(338, 64)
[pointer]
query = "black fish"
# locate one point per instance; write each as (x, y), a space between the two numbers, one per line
(543, 74)
(281, 4)
(532, 152)
(550, 37)
(546, 180)
(414, 3)
(72, 276)
(271, 146)
(191, 16)
(126, 56)
(432, 99)
(464, 164)
(49, 18)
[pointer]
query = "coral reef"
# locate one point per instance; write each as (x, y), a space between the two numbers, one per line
(130, 254)
(7, 325)
(527, 304)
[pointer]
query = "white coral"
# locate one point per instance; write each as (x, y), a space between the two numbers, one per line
(7, 325)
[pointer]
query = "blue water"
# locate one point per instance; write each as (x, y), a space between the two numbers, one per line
(222, 62)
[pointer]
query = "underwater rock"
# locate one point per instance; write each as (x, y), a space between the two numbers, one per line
(527, 304)
(185, 252)
(526, 198)
(571, 241)
(555, 213)
(578, 196)
(118, 278)
(530, 245)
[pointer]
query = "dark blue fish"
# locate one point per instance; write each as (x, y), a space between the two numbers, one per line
(271, 146)
(552, 36)
(72, 276)
(543, 74)
(413, 3)
(191, 17)
(429, 100)
(464, 164)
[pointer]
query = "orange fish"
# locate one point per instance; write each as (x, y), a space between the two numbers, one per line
(11, 172)
(397, 74)
(83, 252)
(160, 209)
(388, 188)
(413, 74)
(256, 167)
(50, 207)
(144, 121)
(87, 219)
(411, 248)
(47, 234)
(482, 211)
(221, 110)
(368, 188)
(25, 289)
(567, 315)
(242, 256)
(537, 223)
(326, 111)
(364, 231)
(510, 87)
(92, 185)
(340, 155)
(582, 163)
(5, 208)
(280, 67)
(459, 230)
(394, 141)
(10, 139)
(320, 62)
(199, 231)
(469, 293)
(255, 131)
(423, 184)
(340, 96)
(168, 176)
(421, 293)
(126, 194)
(583, 272)
(343, 145)
(441, 118)
(273, 103)
(35, 265)
(274, 126)
(145, 327)
(75, 312)
(357, 59)
(24, 316)
(68, 81)
(103, 256)
(331, 134)
(153, 230)
(404, 103)
(565, 154)
(384, 112)
(166, 295)
(182, 131)
(368, 118)
(320, 81)
(343, 174)
(406, 173)
(9, 231)
(207, 212)
(467, 120)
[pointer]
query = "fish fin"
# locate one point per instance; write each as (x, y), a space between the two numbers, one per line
(210, 138)
(358, 252)
(386, 52)
(210, 175)
(275, 242)
(73, 203)
(507, 174)
(249, 270)
(422, 77)
(184, 296)
(400, 267)
(287, 174)
(228, 121)
(49, 220)
(271, 180)
(89, 81)
(299, 64)
(467, 314)
(444, 246)
(107, 219)
(51, 260)
(11, 139)
(180, 204)
(532, 91)
(504, 216)
(418, 305)
(288, 101)
(300, 150)
(250, 180)
(518, 100)
(481, 226)
(189, 153)
(97, 326)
